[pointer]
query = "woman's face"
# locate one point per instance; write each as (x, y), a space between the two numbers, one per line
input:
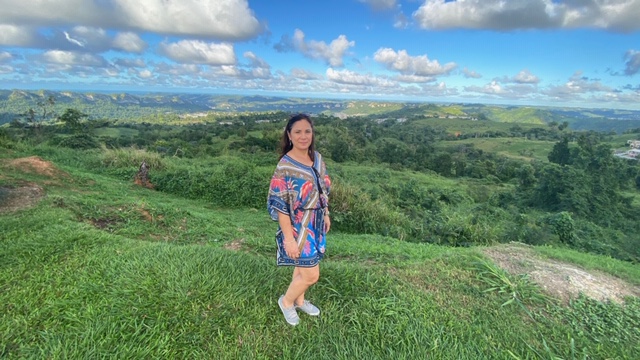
(301, 135)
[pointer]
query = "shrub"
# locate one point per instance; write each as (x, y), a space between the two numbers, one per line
(130, 158)
(232, 183)
(353, 211)
(76, 141)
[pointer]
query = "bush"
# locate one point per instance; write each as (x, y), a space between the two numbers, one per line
(77, 141)
(233, 183)
(353, 211)
(130, 158)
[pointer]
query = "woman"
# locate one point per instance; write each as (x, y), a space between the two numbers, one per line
(298, 200)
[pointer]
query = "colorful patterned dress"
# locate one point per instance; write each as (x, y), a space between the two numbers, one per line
(302, 193)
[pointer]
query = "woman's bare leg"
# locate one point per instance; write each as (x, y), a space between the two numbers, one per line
(301, 280)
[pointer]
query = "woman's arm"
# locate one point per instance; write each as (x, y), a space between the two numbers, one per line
(290, 244)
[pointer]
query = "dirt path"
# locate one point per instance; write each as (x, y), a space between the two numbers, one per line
(561, 280)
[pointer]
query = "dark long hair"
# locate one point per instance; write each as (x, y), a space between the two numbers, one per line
(285, 143)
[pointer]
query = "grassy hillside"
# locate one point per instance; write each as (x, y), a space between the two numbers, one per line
(516, 148)
(101, 268)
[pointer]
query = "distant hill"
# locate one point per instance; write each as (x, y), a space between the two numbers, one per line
(128, 106)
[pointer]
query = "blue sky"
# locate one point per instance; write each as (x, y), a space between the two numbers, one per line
(583, 53)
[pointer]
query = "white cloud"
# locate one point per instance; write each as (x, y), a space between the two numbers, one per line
(199, 52)
(530, 14)
(11, 35)
(130, 63)
(470, 74)
(72, 40)
(129, 42)
(632, 66)
(178, 70)
(575, 87)
(60, 57)
(331, 53)
(496, 89)
(414, 78)
(220, 19)
(400, 21)
(258, 67)
(380, 4)
(5, 69)
(402, 62)
(304, 74)
(145, 74)
(525, 77)
(5, 56)
(353, 78)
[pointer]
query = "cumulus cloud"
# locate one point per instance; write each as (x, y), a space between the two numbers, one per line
(130, 63)
(12, 35)
(414, 78)
(331, 53)
(285, 44)
(73, 58)
(523, 77)
(402, 62)
(258, 67)
(352, 78)
(576, 86)
(5, 56)
(129, 42)
(145, 74)
(220, 19)
(498, 90)
(380, 4)
(470, 74)
(618, 15)
(632, 66)
(400, 21)
(303, 74)
(199, 52)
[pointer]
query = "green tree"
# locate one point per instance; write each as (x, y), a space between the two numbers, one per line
(560, 153)
(72, 119)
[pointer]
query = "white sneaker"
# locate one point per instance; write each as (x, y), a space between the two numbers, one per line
(290, 314)
(308, 308)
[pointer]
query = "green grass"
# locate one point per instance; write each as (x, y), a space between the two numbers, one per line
(101, 268)
(115, 132)
(515, 148)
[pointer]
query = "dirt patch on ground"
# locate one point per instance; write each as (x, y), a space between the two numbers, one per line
(35, 165)
(235, 245)
(561, 280)
(16, 198)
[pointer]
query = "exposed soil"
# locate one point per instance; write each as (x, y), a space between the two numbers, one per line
(17, 198)
(561, 280)
(235, 245)
(26, 194)
(36, 165)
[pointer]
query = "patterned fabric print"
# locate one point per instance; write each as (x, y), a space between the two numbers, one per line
(294, 192)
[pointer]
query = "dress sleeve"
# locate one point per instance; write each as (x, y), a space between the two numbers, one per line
(326, 178)
(278, 195)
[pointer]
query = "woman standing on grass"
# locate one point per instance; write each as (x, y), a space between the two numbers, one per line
(298, 200)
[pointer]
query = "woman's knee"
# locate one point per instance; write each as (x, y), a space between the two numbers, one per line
(310, 275)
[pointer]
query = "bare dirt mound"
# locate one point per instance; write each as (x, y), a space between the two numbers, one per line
(21, 194)
(14, 199)
(35, 165)
(561, 280)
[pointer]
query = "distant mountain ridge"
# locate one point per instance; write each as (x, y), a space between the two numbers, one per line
(123, 106)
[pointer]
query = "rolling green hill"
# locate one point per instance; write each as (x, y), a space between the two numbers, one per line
(186, 108)
(93, 266)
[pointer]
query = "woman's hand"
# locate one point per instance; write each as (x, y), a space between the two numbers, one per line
(327, 223)
(291, 247)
